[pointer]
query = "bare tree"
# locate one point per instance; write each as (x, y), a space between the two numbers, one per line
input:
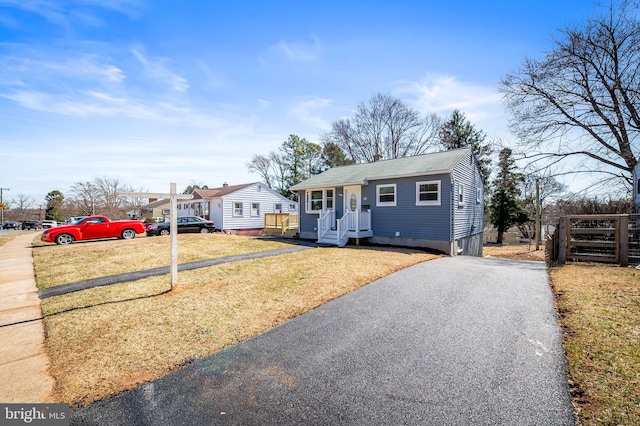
(23, 207)
(261, 165)
(112, 203)
(538, 191)
(86, 198)
(383, 128)
(581, 100)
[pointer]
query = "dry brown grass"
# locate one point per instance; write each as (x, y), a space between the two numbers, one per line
(5, 238)
(599, 308)
(514, 251)
(131, 333)
(55, 265)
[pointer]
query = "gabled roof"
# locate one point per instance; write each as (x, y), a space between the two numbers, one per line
(419, 165)
(219, 192)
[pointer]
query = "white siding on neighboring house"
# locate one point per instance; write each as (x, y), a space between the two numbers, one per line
(258, 194)
(216, 212)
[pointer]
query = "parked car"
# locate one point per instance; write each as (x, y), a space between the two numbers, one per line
(46, 224)
(148, 226)
(11, 225)
(185, 224)
(93, 228)
(73, 219)
(31, 224)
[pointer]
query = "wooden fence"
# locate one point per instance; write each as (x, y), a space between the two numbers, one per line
(596, 238)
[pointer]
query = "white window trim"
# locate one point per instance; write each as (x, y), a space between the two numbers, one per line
(429, 202)
(324, 200)
(258, 209)
(387, 203)
(460, 194)
(478, 195)
(241, 209)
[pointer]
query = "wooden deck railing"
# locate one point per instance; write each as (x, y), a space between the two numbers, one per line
(281, 221)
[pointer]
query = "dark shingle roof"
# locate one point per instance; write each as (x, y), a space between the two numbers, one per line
(219, 192)
(426, 164)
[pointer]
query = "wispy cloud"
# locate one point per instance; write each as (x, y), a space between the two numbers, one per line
(263, 104)
(33, 68)
(157, 68)
(441, 94)
(8, 21)
(297, 51)
(305, 112)
(67, 14)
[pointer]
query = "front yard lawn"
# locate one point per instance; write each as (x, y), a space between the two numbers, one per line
(104, 340)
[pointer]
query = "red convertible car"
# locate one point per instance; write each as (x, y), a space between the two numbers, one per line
(93, 228)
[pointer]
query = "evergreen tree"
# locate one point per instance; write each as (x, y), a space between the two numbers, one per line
(54, 201)
(506, 209)
(334, 156)
(458, 132)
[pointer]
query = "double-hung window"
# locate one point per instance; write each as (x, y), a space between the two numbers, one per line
(386, 195)
(255, 209)
(428, 193)
(237, 209)
(460, 194)
(318, 200)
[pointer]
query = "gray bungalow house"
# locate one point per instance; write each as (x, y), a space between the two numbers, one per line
(434, 201)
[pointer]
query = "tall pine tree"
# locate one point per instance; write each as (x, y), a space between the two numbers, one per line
(506, 209)
(458, 132)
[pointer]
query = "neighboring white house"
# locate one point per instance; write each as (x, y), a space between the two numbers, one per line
(237, 208)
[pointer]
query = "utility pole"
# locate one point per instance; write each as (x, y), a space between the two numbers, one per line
(173, 198)
(2, 206)
(538, 214)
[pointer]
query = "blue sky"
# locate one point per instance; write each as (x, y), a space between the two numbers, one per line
(151, 92)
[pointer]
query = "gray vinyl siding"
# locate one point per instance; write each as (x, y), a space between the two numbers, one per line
(257, 193)
(469, 217)
(309, 222)
(411, 221)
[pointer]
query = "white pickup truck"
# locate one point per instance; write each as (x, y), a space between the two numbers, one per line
(46, 224)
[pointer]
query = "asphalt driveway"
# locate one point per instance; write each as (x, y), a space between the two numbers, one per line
(455, 341)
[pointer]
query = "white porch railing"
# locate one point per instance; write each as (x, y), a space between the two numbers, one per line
(358, 220)
(338, 232)
(325, 223)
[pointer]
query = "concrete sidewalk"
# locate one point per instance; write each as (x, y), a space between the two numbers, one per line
(24, 364)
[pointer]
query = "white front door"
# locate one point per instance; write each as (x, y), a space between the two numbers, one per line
(352, 198)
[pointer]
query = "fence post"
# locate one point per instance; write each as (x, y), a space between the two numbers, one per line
(562, 244)
(623, 241)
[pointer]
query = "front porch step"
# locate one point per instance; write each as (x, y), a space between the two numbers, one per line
(330, 237)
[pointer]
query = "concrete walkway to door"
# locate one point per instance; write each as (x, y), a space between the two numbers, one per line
(23, 362)
(453, 341)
